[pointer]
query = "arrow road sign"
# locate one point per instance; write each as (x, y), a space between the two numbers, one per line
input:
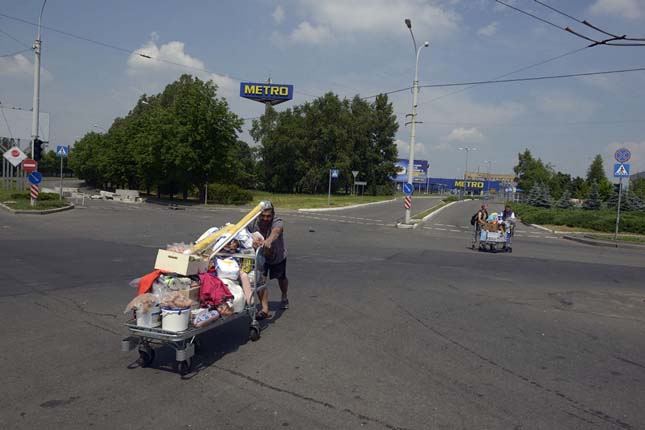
(62, 151)
(408, 189)
(622, 155)
(621, 170)
(35, 178)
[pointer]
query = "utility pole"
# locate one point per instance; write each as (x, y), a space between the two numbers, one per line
(36, 101)
(467, 149)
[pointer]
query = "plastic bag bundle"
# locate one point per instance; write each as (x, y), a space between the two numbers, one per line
(245, 239)
(175, 299)
(177, 247)
(142, 303)
(227, 268)
(205, 318)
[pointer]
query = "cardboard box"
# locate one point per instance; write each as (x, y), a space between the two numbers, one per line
(192, 293)
(176, 262)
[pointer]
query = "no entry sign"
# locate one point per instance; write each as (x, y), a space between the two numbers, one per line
(29, 165)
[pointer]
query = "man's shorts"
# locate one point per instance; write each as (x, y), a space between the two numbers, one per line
(276, 271)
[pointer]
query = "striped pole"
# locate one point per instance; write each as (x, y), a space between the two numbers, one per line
(34, 192)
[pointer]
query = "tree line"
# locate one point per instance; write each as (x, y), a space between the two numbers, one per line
(176, 142)
(546, 187)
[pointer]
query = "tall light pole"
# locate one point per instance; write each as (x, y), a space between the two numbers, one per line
(36, 104)
(490, 164)
(415, 92)
(467, 149)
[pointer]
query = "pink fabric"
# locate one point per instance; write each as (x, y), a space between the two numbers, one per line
(213, 291)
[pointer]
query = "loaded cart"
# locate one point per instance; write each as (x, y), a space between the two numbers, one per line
(180, 327)
(495, 237)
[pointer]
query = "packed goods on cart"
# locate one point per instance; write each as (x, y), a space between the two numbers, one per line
(495, 234)
(195, 287)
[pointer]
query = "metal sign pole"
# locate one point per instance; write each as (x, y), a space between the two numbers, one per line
(620, 192)
(329, 191)
(61, 179)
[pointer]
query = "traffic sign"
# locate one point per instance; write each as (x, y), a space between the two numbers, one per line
(35, 178)
(334, 173)
(408, 189)
(14, 156)
(408, 202)
(622, 155)
(62, 151)
(621, 170)
(29, 165)
(355, 173)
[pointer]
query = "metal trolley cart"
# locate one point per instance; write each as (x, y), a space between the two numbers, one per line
(495, 241)
(184, 342)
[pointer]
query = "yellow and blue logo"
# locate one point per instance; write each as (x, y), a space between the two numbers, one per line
(266, 93)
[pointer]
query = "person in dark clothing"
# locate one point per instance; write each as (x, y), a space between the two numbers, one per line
(482, 214)
(275, 254)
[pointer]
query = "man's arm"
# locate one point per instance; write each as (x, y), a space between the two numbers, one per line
(275, 233)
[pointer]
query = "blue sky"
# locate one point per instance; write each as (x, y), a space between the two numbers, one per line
(349, 47)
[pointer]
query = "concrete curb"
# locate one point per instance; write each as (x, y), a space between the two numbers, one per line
(539, 227)
(609, 244)
(430, 215)
(344, 207)
(42, 212)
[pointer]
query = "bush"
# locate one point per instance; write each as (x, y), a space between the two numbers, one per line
(42, 196)
(20, 196)
(601, 220)
(225, 194)
(48, 196)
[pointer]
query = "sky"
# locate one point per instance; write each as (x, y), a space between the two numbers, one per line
(348, 47)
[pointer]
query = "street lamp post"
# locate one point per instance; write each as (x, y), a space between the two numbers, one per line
(490, 163)
(467, 149)
(415, 92)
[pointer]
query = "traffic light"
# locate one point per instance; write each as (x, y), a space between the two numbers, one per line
(38, 149)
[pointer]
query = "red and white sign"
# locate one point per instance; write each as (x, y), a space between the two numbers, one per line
(29, 165)
(408, 202)
(34, 192)
(14, 156)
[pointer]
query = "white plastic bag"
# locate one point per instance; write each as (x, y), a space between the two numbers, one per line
(238, 294)
(245, 239)
(207, 233)
(227, 268)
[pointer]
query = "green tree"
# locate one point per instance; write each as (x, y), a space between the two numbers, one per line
(565, 200)
(594, 201)
(596, 173)
(531, 171)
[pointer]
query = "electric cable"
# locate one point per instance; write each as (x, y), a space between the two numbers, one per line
(15, 53)
(6, 122)
(13, 38)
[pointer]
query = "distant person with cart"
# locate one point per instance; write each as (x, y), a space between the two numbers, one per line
(508, 216)
(478, 220)
(275, 254)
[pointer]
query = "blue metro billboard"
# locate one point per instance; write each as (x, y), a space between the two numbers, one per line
(266, 93)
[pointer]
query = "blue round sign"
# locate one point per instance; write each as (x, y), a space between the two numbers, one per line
(35, 178)
(622, 155)
(407, 189)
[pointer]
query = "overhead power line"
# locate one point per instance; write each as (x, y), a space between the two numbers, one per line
(501, 81)
(14, 39)
(15, 53)
(614, 40)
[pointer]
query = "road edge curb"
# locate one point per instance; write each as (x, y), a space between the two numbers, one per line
(430, 215)
(607, 244)
(41, 212)
(344, 207)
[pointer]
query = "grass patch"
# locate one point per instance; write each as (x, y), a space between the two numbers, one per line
(603, 220)
(19, 200)
(621, 237)
(312, 201)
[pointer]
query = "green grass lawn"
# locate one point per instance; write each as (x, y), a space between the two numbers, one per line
(19, 200)
(301, 201)
(443, 203)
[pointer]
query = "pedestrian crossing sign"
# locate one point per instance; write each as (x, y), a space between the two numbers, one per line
(621, 170)
(62, 151)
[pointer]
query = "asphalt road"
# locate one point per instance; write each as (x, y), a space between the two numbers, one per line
(388, 329)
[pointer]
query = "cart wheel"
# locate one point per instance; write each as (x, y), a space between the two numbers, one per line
(146, 357)
(254, 334)
(509, 249)
(184, 367)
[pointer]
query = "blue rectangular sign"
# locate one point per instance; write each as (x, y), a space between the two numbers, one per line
(419, 174)
(621, 170)
(266, 93)
(62, 151)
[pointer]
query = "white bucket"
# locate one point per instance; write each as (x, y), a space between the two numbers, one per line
(149, 319)
(175, 319)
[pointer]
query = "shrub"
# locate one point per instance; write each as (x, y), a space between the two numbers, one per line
(226, 194)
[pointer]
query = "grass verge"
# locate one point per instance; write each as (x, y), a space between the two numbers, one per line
(427, 212)
(313, 201)
(19, 200)
(621, 238)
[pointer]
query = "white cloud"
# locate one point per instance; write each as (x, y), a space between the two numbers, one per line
(376, 17)
(19, 66)
(489, 30)
(566, 104)
(307, 33)
(154, 74)
(465, 135)
(630, 9)
(278, 15)
(403, 148)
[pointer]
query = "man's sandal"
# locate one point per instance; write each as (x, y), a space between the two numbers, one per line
(261, 315)
(284, 304)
